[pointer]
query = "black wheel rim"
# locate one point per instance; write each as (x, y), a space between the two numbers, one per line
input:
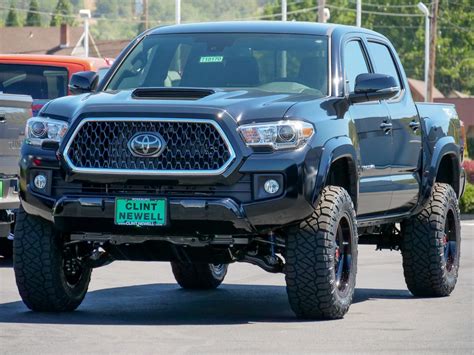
(450, 241)
(343, 255)
(72, 266)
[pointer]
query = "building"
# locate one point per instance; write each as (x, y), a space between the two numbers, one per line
(63, 40)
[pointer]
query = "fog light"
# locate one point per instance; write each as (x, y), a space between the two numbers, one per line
(271, 186)
(40, 182)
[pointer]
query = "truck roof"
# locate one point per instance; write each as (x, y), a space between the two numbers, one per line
(291, 27)
(89, 62)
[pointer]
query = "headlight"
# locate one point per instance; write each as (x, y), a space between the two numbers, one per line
(277, 135)
(40, 129)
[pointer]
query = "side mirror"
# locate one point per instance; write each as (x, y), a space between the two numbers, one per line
(372, 87)
(83, 82)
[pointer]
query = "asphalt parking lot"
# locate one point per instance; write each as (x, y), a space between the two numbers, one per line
(137, 308)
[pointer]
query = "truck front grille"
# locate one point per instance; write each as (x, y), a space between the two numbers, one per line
(189, 146)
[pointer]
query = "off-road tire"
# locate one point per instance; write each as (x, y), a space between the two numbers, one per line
(39, 271)
(198, 276)
(423, 245)
(310, 259)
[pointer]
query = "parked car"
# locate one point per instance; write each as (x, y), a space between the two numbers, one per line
(284, 145)
(43, 77)
(15, 110)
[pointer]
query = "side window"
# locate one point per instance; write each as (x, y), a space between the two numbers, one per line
(383, 60)
(355, 63)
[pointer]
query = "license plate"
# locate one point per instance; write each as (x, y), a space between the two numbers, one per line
(140, 211)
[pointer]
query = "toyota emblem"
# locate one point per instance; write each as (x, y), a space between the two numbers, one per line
(147, 145)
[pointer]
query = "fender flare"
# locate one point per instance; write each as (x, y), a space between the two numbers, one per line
(443, 147)
(334, 149)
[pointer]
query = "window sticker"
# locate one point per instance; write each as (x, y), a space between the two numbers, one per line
(211, 59)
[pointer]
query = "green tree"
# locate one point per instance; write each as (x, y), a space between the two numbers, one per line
(33, 18)
(12, 17)
(403, 24)
(62, 14)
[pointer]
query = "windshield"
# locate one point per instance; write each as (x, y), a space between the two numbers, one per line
(281, 63)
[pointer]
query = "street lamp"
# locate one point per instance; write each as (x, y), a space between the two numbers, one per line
(422, 7)
(85, 14)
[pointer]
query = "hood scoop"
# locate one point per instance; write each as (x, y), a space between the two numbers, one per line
(171, 93)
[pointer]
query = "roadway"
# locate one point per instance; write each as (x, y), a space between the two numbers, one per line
(137, 308)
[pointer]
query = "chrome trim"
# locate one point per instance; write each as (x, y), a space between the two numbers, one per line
(149, 172)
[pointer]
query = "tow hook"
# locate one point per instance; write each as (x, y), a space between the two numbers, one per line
(98, 258)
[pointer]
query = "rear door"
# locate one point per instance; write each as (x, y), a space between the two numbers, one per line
(405, 130)
(372, 123)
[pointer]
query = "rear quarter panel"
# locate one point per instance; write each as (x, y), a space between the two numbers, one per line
(441, 136)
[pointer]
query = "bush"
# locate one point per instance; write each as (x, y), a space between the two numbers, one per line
(466, 204)
(469, 168)
(470, 147)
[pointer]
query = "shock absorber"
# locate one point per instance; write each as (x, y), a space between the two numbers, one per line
(271, 236)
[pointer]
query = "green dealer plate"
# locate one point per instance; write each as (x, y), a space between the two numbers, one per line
(140, 211)
(1, 189)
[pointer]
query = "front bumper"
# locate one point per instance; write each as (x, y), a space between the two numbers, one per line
(232, 207)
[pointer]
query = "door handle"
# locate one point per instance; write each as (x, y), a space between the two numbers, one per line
(386, 126)
(414, 125)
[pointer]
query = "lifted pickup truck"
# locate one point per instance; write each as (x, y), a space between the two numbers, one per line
(279, 144)
(14, 112)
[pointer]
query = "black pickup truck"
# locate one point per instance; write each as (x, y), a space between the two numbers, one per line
(284, 145)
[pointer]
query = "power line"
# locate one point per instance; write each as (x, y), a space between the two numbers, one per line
(453, 25)
(278, 14)
(77, 17)
(374, 12)
(387, 5)
(37, 12)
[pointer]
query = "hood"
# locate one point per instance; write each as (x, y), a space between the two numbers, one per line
(241, 105)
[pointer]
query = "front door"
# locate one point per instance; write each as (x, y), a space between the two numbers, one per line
(373, 125)
(406, 132)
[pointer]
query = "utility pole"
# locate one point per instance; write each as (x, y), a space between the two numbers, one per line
(284, 10)
(422, 7)
(177, 8)
(359, 13)
(85, 14)
(145, 13)
(321, 6)
(433, 35)
(283, 54)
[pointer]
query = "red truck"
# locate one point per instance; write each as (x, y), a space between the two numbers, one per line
(23, 78)
(44, 77)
